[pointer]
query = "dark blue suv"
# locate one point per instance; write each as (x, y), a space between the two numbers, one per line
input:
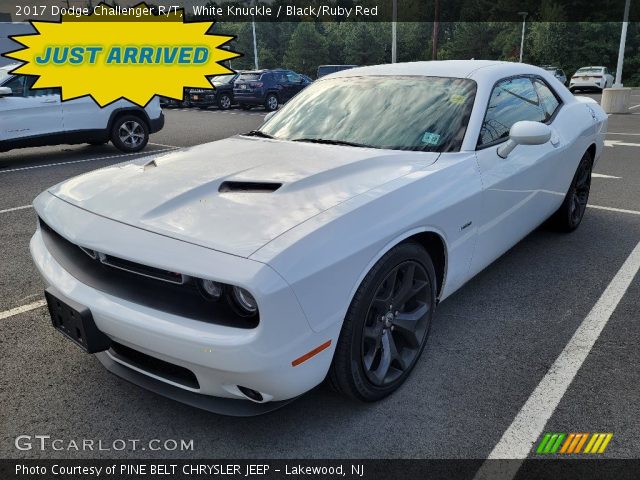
(268, 88)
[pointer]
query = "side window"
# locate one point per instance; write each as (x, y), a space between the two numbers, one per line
(548, 100)
(293, 77)
(511, 101)
(16, 84)
(40, 92)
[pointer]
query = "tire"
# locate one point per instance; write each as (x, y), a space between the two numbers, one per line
(224, 102)
(569, 216)
(271, 102)
(374, 336)
(129, 133)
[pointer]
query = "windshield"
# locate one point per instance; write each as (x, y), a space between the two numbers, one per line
(4, 74)
(222, 79)
(399, 113)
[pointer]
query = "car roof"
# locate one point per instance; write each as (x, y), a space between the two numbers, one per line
(479, 70)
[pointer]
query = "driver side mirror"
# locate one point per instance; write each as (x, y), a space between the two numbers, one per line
(5, 92)
(525, 132)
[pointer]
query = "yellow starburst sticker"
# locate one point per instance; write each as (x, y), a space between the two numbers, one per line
(112, 55)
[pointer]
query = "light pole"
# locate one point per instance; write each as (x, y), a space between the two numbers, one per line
(394, 33)
(623, 41)
(255, 43)
(524, 23)
(252, 3)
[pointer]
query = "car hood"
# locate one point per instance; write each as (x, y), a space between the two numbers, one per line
(181, 193)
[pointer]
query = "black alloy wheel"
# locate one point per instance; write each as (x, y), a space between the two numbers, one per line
(569, 216)
(386, 326)
(396, 323)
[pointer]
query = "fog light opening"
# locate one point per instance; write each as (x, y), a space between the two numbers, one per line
(251, 394)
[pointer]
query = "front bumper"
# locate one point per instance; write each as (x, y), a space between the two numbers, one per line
(221, 357)
(156, 124)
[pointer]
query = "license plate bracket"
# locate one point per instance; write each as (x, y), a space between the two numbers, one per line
(76, 323)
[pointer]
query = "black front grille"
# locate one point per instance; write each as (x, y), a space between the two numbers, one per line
(178, 299)
(155, 366)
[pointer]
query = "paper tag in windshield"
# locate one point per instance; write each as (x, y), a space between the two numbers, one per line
(429, 138)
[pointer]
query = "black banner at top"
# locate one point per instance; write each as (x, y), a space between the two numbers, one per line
(329, 10)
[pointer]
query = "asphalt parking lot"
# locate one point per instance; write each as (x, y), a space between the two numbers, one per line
(490, 346)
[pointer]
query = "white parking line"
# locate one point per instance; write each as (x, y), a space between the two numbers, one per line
(163, 145)
(635, 106)
(518, 440)
(46, 165)
(22, 309)
(15, 208)
(611, 209)
(602, 175)
(622, 133)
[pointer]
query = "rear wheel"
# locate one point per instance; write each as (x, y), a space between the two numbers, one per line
(386, 326)
(129, 133)
(224, 102)
(569, 216)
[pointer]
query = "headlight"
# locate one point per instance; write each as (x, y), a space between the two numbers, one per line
(243, 302)
(210, 290)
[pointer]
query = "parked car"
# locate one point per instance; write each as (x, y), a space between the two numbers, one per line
(220, 96)
(268, 88)
(36, 117)
(327, 69)
(239, 274)
(556, 72)
(591, 78)
(166, 102)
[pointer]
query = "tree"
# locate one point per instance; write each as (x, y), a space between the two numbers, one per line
(307, 49)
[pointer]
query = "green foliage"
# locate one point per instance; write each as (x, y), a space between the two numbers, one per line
(570, 45)
(307, 49)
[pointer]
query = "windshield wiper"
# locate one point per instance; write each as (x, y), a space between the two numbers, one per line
(327, 141)
(257, 133)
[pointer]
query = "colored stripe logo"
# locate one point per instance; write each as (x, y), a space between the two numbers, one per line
(573, 443)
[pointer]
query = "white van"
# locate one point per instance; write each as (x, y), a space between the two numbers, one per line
(32, 118)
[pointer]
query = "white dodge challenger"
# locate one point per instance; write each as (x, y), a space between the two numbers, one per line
(237, 275)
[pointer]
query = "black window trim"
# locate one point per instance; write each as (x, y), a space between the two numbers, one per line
(530, 76)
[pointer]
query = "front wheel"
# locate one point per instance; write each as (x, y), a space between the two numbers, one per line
(224, 102)
(386, 326)
(271, 102)
(569, 216)
(129, 133)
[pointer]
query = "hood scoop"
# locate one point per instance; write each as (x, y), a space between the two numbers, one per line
(248, 187)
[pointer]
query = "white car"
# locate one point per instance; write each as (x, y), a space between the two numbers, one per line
(239, 274)
(591, 78)
(36, 117)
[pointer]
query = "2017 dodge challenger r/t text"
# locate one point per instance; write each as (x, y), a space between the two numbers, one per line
(239, 274)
